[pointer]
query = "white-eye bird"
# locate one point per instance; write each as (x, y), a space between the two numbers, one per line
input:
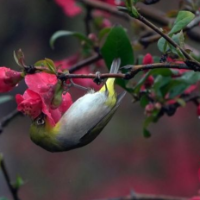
(82, 122)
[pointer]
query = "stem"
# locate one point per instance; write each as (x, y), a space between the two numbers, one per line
(13, 190)
(7, 119)
(87, 19)
(149, 24)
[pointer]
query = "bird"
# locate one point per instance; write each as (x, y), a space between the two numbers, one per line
(83, 121)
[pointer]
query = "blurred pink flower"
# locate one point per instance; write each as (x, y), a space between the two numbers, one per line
(8, 79)
(69, 7)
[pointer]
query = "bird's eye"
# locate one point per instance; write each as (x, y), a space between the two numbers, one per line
(40, 121)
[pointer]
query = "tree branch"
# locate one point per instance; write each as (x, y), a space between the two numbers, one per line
(157, 30)
(12, 189)
(134, 69)
(85, 62)
(8, 118)
(146, 197)
(148, 12)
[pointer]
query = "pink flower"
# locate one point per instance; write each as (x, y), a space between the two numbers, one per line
(43, 84)
(30, 103)
(8, 79)
(69, 7)
(38, 97)
(148, 59)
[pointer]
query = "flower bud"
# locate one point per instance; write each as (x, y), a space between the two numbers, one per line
(149, 82)
(149, 109)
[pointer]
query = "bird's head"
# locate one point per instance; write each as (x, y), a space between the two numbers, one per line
(43, 134)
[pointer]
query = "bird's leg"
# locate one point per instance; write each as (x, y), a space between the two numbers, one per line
(98, 80)
(72, 84)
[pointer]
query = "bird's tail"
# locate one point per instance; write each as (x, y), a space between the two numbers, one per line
(109, 85)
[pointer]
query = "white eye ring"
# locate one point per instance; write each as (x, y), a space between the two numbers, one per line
(40, 121)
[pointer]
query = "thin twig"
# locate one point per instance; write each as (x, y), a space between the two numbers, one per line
(7, 119)
(148, 12)
(85, 62)
(87, 19)
(157, 30)
(12, 189)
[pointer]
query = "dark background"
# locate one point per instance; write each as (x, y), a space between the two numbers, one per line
(120, 159)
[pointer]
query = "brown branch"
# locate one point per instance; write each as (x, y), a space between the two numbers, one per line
(134, 69)
(146, 197)
(8, 118)
(12, 189)
(85, 62)
(157, 30)
(148, 12)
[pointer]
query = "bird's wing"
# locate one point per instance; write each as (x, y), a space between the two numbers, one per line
(98, 127)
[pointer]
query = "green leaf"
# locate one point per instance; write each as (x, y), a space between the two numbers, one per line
(5, 98)
(146, 133)
(178, 85)
(131, 8)
(164, 46)
(50, 64)
(117, 45)
(78, 35)
(181, 102)
(19, 58)
(182, 20)
(159, 83)
(147, 121)
(154, 72)
(47, 63)
(144, 100)
(18, 183)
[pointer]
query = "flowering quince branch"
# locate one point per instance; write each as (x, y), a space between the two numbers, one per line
(135, 69)
(12, 188)
(148, 23)
(48, 81)
(148, 12)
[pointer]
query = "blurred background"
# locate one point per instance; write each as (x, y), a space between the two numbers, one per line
(120, 160)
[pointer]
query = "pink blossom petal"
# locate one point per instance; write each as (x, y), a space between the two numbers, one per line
(8, 79)
(66, 103)
(30, 103)
(69, 7)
